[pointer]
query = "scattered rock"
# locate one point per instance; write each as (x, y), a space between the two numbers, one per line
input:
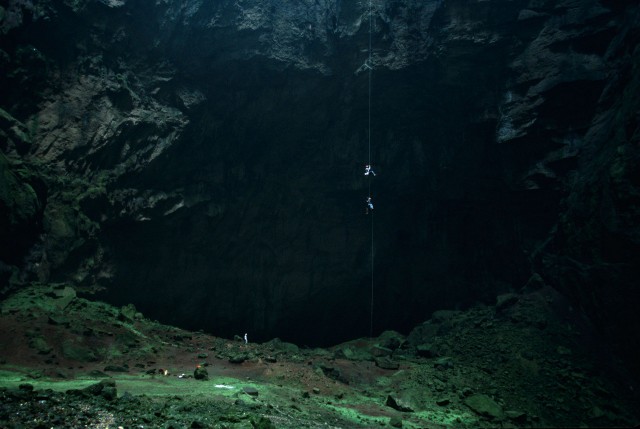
(441, 316)
(397, 404)
(40, 345)
(516, 416)
(64, 297)
(105, 388)
(526, 14)
(278, 344)
(60, 374)
(231, 418)
(93, 389)
(505, 301)
(426, 351)
(109, 393)
(443, 363)
(352, 353)
(485, 406)
(534, 283)
(443, 401)
(344, 353)
(56, 319)
(200, 373)
(391, 340)
(127, 313)
(263, 423)
(422, 334)
(78, 352)
(378, 351)
(251, 391)
(596, 412)
(333, 373)
(116, 368)
(395, 422)
(238, 358)
(386, 363)
(180, 337)
(563, 351)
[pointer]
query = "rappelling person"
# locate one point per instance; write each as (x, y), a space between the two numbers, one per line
(369, 205)
(368, 170)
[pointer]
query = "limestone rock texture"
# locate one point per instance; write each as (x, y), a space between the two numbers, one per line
(204, 160)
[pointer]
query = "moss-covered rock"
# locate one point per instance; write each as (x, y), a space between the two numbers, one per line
(262, 423)
(200, 373)
(485, 406)
(20, 213)
(40, 345)
(18, 198)
(77, 351)
(13, 133)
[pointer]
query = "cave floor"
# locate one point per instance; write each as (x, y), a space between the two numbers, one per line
(527, 362)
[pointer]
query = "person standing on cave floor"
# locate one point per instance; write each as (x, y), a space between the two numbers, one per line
(369, 205)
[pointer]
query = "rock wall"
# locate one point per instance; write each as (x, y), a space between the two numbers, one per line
(204, 160)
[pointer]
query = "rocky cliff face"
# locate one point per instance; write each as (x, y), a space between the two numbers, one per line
(204, 160)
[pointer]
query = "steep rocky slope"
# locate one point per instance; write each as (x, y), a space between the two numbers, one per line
(204, 159)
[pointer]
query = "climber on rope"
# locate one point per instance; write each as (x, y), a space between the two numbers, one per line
(369, 205)
(368, 170)
(365, 66)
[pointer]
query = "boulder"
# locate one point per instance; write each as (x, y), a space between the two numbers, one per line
(398, 404)
(386, 363)
(251, 391)
(127, 313)
(505, 301)
(238, 358)
(484, 406)
(200, 373)
(78, 352)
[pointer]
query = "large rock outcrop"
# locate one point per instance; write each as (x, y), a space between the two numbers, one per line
(204, 159)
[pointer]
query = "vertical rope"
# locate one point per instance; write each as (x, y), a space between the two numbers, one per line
(371, 304)
(370, 71)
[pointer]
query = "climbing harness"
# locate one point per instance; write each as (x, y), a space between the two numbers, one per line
(368, 171)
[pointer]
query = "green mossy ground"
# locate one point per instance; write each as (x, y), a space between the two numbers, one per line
(527, 362)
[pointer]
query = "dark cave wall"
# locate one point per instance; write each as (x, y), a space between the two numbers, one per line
(205, 161)
(593, 254)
